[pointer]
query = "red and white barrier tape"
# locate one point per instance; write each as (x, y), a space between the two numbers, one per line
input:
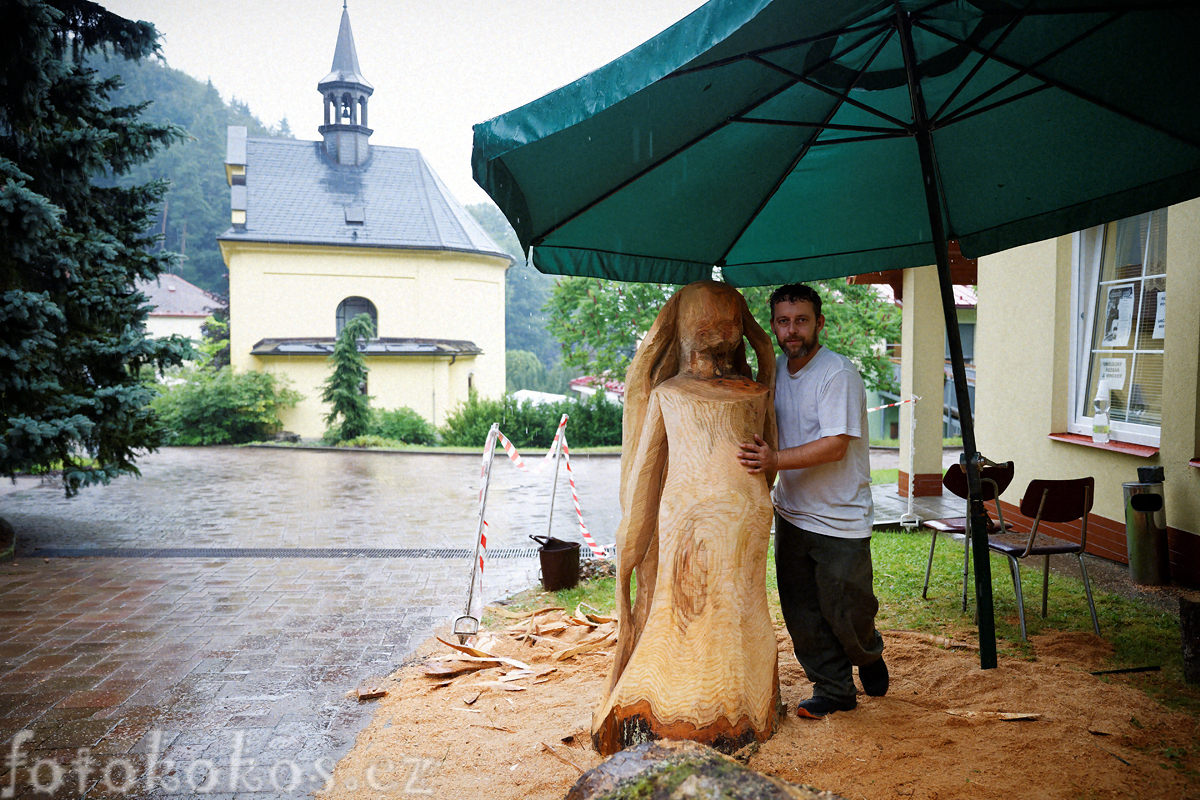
(596, 549)
(912, 399)
(560, 441)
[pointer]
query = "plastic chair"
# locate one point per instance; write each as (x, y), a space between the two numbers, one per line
(993, 480)
(1049, 501)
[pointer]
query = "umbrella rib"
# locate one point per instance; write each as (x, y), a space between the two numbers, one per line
(787, 123)
(975, 69)
(873, 27)
(1032, 71)
(843, 96)
(883, 40)
(991, 54)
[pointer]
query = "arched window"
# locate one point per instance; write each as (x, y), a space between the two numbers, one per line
(351, 307)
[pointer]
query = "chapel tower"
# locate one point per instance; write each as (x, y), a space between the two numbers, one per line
(344, 92)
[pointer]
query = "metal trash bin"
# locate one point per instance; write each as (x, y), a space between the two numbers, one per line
(1146, 528)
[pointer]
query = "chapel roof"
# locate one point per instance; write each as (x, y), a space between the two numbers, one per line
(294, 193)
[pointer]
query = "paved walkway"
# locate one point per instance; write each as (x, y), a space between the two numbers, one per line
(196, 632)
(207, 645)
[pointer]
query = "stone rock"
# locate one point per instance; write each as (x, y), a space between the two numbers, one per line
(683, 770)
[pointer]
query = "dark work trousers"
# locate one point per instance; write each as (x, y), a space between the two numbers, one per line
(828, 604)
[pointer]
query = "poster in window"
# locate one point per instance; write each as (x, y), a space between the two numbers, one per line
(1118, 316)
(1112, 370)
(1160, 317)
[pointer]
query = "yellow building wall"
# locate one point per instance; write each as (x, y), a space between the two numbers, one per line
(293, 291)
(1022, 350)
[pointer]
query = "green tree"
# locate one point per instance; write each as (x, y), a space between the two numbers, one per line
(72, 327)
(599, 323)
(523, 371)
(345, 388)
(215, 345)
(195, 209)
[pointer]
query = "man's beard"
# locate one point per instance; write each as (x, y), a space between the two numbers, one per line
(798, 349)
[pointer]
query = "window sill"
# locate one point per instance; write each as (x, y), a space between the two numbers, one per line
(1139, 450)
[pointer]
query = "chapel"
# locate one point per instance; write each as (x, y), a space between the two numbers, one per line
(322, 231)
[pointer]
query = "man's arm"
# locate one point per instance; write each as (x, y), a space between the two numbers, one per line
(758, 456)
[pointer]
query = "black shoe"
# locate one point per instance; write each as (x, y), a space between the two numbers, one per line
(818, 706)
(874, 678)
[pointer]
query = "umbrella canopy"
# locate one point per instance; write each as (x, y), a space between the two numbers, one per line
(791, 140)
(779, 139)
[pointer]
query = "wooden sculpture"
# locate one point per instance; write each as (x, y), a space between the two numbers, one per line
(696, 653)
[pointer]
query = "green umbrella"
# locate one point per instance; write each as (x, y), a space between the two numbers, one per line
(785, 140)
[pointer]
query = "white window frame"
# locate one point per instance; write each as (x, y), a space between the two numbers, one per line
(1087, 251)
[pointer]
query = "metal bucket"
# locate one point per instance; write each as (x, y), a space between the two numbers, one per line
(560, 562)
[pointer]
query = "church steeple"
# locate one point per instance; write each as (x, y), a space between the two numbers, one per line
(345, 91)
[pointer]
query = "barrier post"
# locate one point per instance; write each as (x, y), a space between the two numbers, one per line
(557, 447)
(467, 625)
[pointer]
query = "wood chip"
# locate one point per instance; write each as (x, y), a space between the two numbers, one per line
(1017, 716)
(504, 612)
(469, 699)
(370, 691)
(562, 758)
(586, 646)
(452, 669)
(477, 653)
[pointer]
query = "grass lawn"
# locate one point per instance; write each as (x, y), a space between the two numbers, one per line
(1141, 635)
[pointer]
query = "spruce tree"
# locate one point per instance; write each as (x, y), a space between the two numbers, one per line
(73, 346)
(344, 388)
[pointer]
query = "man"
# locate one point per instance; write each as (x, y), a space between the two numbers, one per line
(823, 508)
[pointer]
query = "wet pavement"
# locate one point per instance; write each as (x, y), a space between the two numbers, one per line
(196, 632)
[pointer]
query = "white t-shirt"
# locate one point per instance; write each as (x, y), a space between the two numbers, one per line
(824, 398)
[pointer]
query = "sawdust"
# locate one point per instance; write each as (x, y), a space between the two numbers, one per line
(946, 729)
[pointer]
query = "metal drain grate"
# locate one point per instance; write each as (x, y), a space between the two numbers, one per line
(273, 552)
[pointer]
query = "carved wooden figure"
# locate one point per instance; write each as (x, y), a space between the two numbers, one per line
(696, 652)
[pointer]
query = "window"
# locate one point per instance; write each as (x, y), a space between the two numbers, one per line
(1119, 313)
(351, 307)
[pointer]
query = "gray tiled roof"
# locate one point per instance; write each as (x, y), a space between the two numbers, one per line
(172, 296)
(295, 194)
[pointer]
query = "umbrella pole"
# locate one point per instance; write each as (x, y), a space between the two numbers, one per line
(976, 515)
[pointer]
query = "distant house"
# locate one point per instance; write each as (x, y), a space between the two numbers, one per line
(1057, 319)
(323, 231)
(178, 307)
(588, 385)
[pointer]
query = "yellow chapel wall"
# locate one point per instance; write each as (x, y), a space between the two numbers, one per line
(293, 291)
(1022, 350)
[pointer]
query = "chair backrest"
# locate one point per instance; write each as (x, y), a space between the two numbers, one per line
(992, 480)
(1065, 500)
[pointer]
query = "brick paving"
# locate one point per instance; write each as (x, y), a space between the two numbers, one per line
(228, 676)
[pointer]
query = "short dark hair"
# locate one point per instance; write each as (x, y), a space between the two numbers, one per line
(795, 293)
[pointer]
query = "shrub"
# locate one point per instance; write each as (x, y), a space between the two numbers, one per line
(593, 422)
(402, 425)
(370, 440)
(223, 407)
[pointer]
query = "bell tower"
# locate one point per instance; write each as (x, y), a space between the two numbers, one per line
(345, 92)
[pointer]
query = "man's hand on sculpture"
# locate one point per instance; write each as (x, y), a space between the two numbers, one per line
(757, 456)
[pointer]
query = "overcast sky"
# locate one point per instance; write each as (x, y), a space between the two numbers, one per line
(438, 66)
